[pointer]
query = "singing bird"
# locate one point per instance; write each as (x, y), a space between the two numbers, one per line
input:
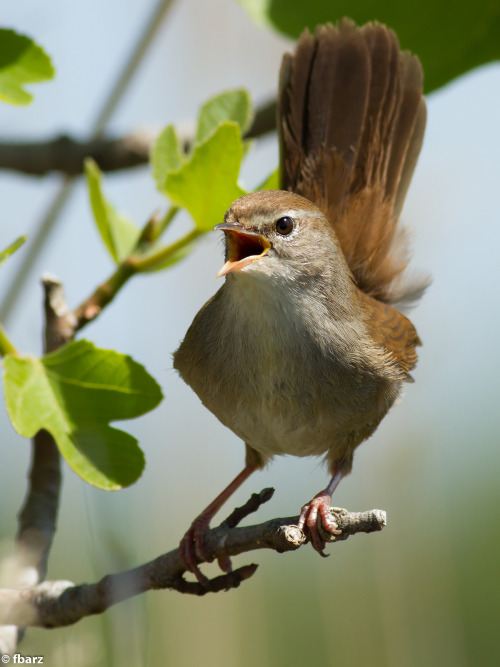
(304, 348)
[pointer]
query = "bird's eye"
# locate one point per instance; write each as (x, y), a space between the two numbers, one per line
(284, 225)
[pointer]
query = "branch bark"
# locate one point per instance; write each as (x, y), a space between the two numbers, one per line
(59, 603)
(38, 516)
(66, 154)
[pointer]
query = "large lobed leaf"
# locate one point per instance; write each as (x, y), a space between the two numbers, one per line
(208, 184)
(74, 393)
(21, 62)
(232, 106)
(272, 182)
(450, 38)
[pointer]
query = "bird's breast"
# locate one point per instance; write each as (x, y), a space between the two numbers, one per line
(274, 368)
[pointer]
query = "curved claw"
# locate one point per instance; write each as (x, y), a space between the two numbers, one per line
(192, 548)
(308, 519)
(224, 563)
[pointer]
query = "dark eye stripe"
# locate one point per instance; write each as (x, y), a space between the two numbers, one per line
(284, 225)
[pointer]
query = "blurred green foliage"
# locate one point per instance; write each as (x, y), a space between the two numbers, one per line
(21, 62)
(5, 254)
(450, 38)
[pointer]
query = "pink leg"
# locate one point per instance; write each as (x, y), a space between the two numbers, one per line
(320, 504)
(192, 546)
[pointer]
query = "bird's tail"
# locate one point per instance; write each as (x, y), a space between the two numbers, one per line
(351, 119)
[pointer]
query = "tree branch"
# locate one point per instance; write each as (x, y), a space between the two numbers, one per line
(66, 154)
(37, 519)
(38, 516)
(58, 603)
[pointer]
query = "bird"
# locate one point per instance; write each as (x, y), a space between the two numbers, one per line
(305, 347)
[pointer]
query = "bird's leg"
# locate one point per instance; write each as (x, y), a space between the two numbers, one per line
(192, 548)
(320, 504)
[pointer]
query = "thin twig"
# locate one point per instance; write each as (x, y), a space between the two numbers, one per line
(139, 260)
(252, 505)
(89, 309)
(156, 259)
(58, 603)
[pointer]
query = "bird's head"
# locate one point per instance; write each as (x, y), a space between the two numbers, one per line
(278, 233)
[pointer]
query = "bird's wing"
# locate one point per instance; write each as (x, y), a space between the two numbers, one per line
(394, 332)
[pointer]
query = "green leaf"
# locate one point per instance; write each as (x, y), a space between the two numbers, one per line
(21, 62)
(233, 105)
(450, 37)
(117, 231)
(74, 393)
(207, 184)
(272, 182)
(5, 254)
(165, 156)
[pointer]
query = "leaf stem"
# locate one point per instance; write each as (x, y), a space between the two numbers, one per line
(153, 229)
(6, 346)
(156, 259)
(137, 262)
(164, 223)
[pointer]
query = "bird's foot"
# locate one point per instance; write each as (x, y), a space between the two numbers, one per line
(192, 549)
(319, 505)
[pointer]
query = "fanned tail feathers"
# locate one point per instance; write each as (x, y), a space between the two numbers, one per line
(352, 119)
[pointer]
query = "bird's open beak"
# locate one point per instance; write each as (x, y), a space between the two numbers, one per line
(244, 245)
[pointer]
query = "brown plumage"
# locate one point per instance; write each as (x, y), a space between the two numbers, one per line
(351, 122)
(302, 350)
